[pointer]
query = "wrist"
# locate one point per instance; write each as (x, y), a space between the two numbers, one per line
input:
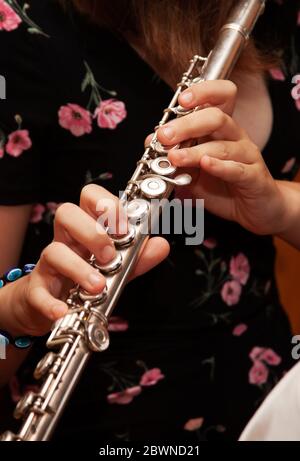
(291, 210)
(12, 299)
(11, 307)
(12, 334)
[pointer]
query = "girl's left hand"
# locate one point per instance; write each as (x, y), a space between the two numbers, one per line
(228, 170)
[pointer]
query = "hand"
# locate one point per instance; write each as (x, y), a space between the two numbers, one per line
(228, 170)
(35, 301)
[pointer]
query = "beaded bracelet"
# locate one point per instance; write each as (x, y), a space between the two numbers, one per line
(20, 342)
(15, 274)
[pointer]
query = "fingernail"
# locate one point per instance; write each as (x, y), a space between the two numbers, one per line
(95, 279)
(59, 311)
(186, 97)
(107, 254)
(169, 132)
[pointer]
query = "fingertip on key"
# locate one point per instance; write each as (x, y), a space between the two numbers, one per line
(95, 279)
(186, 98)
(58, 311)
(168, 132)
(107, 254)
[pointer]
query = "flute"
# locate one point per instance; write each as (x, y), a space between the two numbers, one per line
(84, 329)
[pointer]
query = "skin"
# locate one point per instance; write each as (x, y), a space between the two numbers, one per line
(227, 166)
(228, 172)
(36, 299)
(30, 305)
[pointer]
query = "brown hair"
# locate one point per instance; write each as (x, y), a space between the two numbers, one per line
(170, 31)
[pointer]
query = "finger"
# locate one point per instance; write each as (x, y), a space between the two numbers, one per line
(224, 150)
(57, 258)
(82, 228)
(228, 170)
(154, 252)
(209, 121)
(43, 307)
(148, 140)
(213, 92)
(98, 202)
(38, 309)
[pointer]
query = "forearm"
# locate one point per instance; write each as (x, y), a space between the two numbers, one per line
(290, 229)
(13, 225)
(8, 322)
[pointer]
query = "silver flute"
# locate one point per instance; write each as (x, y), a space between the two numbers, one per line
(84, 328)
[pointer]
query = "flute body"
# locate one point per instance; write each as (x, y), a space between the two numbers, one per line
(84, 329)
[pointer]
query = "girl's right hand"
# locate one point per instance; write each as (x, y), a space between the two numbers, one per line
(35, 301)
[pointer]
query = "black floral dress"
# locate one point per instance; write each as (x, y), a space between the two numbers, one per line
(197, 343)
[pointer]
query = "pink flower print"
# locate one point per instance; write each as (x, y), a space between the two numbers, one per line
(18, 141)
(270, 357)
(37, 213)
(267, 287)
(210, 243)
(240, 268)
(134, 391)
(296, 90)
(266, 355)
(76, 119)
(277, 74)
(239, 329)
(193, 424)
(256, 353)
(289, 165)
(117, 324)
(106, 176)
(52, 207)
(124, 397)
(9, 20)
(1, 152)
(121, 398)
(110, 113)
(258, 374)
(151, 377)
(231, 292)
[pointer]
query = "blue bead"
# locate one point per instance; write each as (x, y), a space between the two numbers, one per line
(4, 338)
(14, 274)
(28, 268)
(2, 283)
(23, 342)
